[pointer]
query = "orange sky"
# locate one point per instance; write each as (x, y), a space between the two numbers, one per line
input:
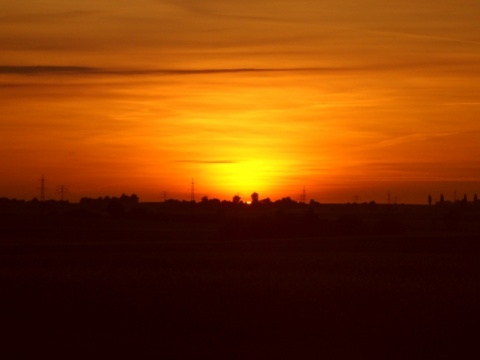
(346, 98)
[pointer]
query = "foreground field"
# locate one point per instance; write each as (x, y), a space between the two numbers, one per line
(362, 297)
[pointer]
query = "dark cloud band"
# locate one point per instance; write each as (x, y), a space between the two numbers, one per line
(80, 70)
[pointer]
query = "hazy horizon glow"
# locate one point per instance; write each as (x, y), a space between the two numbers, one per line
(346, 99)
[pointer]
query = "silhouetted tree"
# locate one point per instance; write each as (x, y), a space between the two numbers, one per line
(129, 200)
(236, 199)
(134, 199)
(286, 201)
(475, 198)
(254, 198)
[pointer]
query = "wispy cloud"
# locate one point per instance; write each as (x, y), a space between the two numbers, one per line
(410, 138)
(32, 70)
(47, 16)
(420, 36)
(206, 161)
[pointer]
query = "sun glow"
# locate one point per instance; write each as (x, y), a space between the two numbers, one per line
(245, 177)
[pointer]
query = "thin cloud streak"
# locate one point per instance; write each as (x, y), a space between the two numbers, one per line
(86, 70)
(394, 141)
(206, 162)
(45, 17)
(80, 70)
(423, 36)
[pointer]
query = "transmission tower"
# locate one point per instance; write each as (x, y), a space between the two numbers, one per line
(192, 192)
(42, 188)
(62, 191)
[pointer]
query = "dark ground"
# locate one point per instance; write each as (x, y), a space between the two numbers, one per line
(361, 298)
(170, 286)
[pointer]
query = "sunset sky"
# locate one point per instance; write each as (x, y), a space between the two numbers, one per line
(347, 98)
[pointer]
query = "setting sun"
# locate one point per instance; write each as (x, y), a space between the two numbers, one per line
(246, 176)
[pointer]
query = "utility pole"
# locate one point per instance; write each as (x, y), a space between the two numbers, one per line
(42, 188)
(304, 195)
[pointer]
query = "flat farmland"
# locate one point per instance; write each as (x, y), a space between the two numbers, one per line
(340, 297)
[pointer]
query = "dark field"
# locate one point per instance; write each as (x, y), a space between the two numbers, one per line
(355, 298)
